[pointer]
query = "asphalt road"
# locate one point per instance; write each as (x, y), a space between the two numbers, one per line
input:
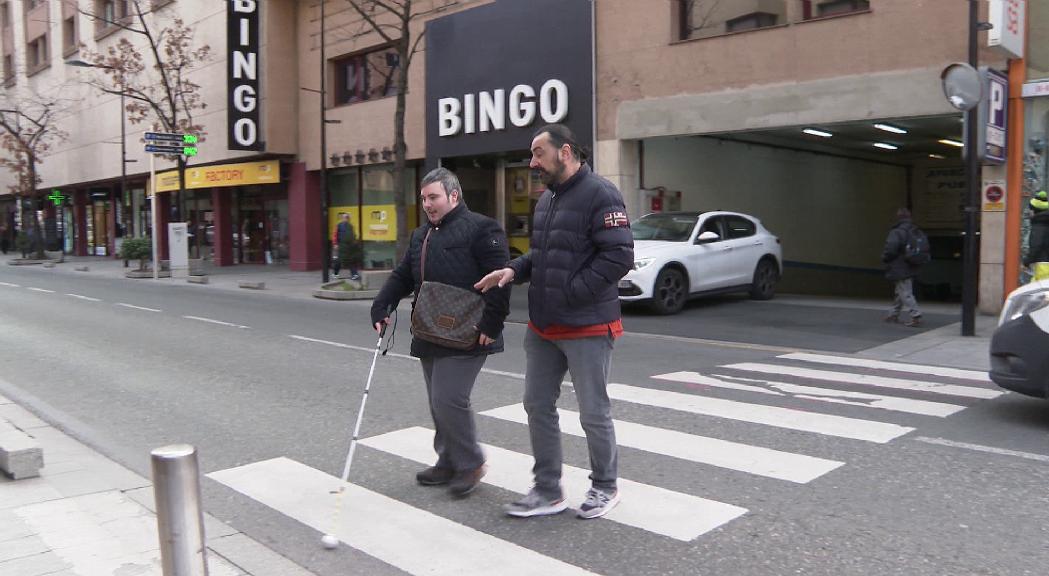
(250, 377)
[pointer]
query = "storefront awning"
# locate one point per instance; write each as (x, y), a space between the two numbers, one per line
(222, 175)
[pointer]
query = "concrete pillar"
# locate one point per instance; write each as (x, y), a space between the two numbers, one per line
(80, 222)
(992, 248)
(619, 162)
(160, 235)
(304, 219)
(222, 238)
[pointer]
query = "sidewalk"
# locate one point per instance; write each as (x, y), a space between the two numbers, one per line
(85, 515)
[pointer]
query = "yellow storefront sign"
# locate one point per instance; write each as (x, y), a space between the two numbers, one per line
(221, 175)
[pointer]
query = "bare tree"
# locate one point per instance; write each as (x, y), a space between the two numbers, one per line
(156, 85)
(696, 15)
(392, 21)
(28, 131)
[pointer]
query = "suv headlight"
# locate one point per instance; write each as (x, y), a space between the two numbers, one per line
(1024, 304)
(642, 262)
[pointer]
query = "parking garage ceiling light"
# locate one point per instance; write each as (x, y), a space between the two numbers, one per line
(885, 146)
(950, 142)
(938, 156)
(890, 128)
(820, 133)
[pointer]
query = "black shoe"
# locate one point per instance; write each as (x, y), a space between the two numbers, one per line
(434, 476)
(466, 481)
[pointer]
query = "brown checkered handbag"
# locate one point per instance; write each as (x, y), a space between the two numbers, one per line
(444, 314)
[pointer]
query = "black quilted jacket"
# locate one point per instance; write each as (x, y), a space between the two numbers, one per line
(581, 246)
(462, 248)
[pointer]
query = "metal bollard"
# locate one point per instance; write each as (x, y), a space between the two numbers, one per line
(180, 519)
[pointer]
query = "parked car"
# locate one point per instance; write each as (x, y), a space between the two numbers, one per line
(678, 255)
(1020, 344)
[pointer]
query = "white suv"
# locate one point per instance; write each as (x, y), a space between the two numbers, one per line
(682, 254)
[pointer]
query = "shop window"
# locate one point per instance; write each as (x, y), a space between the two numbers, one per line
(706, 18)
(366, 76)
(36, 54)
(69, 36)
(826, 8)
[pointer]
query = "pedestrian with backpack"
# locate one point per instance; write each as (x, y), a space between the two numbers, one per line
(906, 251)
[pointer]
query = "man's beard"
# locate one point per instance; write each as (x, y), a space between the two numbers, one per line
(554, 177)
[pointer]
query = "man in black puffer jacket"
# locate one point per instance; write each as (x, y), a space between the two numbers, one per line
(461, 247)
(581, 246)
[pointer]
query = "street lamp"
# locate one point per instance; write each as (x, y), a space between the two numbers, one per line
(123, 135)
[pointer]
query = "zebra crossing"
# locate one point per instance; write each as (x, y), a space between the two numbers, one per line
(766, 394)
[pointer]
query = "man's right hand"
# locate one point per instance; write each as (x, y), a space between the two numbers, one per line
(495, 279)
(379, 325)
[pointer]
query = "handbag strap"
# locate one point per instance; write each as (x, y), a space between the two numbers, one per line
(422, 265)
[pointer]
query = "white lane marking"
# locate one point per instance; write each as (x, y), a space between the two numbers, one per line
(715, 452)
(402, 356)
(133, 307)
(88, 298)
(211, 321)
(868, 380)
(894, 366)
(40, 290)
(982, 448)
(674, 514)
(830, 395)
(10, 285)
(827, 424)
(409, 538)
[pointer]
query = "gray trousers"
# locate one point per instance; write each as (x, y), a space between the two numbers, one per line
(589, 360)
(905, 299)
(449, 382)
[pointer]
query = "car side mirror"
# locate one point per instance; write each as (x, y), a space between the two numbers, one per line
(708, 237)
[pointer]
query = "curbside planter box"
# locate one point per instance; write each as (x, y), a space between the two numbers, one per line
(197, 279)
(252, 285)
(334, 291)
(81, 268)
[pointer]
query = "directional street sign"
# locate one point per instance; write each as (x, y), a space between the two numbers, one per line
(171, 149)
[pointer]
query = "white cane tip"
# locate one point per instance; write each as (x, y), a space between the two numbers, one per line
(330, 541)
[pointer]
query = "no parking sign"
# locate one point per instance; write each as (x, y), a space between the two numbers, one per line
(994, 196)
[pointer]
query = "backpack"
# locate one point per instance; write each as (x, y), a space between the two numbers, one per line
(916, 251)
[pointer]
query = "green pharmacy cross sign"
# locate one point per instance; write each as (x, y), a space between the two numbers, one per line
(56, 197)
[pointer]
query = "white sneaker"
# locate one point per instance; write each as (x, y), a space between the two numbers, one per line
(534, 504)
(598, 503)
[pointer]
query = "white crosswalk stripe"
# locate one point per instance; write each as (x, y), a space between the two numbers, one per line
(868, 380)
(722, 453)
(680, 516)
(831, 395)
(409, 538)
(805, 421)
(417, 541)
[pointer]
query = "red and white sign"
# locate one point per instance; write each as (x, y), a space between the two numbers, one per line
(1008, 20)
(994, 196)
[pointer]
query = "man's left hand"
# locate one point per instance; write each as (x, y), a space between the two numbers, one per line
(484, 340)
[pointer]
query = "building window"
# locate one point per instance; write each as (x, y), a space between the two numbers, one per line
(69, 36)
(34, 4)
(706, 18)
(367, 76)
(36, 54)
(825, 8)
(9, 67)
(5, 15)
(109, 12)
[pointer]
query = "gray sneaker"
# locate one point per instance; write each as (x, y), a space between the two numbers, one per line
(535, 504)
(598, 503)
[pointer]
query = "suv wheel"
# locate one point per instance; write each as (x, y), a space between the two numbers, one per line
(670, 292)
(766, 275)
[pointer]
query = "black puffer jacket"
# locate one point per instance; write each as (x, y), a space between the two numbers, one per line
(581, 246)
(1038, 241)
(896, 266)
(463, 247)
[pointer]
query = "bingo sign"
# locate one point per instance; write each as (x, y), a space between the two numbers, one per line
(997, 112)
(994, 196)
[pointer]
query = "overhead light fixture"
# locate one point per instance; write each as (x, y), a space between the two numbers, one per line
(820, 133)
(938, 156)
(890, 128)
(950, 142)
(886, 146)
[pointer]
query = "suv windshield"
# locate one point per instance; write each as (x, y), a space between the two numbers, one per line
(669, 227)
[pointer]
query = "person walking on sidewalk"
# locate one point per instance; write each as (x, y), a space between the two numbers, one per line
(345, 247)
(581, 246)
(460, 247)
(1038, 241)
(899, 270)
